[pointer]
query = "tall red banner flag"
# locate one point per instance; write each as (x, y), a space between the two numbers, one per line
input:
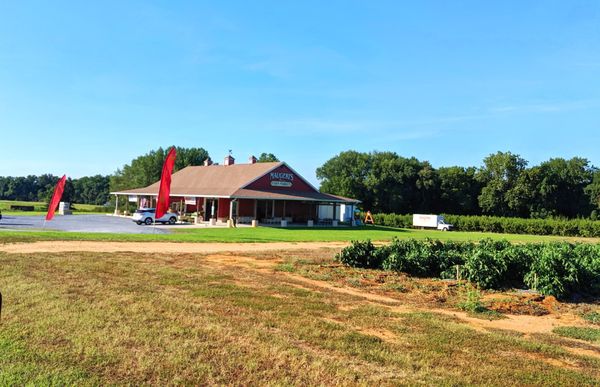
(162, 203)
(58, 191)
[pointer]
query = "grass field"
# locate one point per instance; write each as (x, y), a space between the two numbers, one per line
(278, 319)
(270, 234)
(40, 208)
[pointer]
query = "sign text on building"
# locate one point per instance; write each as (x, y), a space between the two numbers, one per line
(281, 179)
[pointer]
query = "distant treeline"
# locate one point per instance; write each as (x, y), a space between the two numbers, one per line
(503, 186)
(85, 190)
(141, 172)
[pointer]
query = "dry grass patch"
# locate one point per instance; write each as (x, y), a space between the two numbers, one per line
(96, 319)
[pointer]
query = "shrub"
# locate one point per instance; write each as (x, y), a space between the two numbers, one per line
(359, 254)
(518, 259)
(453, 254)
(415, 257)
(559, 269)
(588, 259)
(487, 266)
(554, 271)
(562, 227)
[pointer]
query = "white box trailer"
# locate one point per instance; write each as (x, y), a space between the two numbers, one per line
(431, 221)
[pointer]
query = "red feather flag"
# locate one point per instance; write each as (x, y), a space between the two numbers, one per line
(58, 191)
(162, 203)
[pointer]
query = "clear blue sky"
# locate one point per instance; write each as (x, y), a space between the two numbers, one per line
(86, 87)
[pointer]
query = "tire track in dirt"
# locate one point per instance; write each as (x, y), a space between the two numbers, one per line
(524, 324)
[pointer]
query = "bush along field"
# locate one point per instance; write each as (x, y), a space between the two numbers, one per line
(560, 227)
(559, 269)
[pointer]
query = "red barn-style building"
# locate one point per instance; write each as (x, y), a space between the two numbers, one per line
(266, 192)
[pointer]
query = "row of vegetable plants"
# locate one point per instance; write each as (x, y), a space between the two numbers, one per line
(561, 227)
(560, 269)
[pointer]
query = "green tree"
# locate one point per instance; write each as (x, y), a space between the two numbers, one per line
(267, 158)
(593, 192)
(458, 191)
(383, 181)
(427, 185)
(499, 176)
(345, 175)
(91, 190)
(146, 169)
(561, 187)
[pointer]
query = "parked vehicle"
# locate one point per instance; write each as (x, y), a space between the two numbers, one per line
(431, 221)
(146, 216)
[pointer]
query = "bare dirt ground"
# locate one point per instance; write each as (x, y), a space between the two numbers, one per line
(520, 323)
(161, 247)
(526, 325)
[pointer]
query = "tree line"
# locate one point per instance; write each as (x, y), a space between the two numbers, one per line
(503, 186)
(84, 190)
(140, 172)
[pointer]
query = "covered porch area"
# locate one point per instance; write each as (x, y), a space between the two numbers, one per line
(219, 211)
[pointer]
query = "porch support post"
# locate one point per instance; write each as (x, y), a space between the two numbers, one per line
(117, 205)
(273, 209)
(255, 209)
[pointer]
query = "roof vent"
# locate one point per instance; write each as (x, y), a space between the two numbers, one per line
(252, 160)
(229, 160)
(208, 162)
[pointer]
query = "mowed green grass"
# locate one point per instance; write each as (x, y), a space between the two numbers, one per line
(103, 319)
(40, 208)
(271, 234)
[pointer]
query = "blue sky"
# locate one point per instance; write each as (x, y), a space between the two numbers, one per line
(84, 87)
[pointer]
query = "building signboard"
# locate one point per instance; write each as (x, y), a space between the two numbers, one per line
(281, 179)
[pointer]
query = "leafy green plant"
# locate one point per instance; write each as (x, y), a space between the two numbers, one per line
(554, 271)
(487, 265)
(359, 254)
(472, 302)
(559, 269)
(588, 258)
(415, 257)
(473, 305)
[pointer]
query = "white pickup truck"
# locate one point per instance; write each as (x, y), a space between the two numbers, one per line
(431, 221)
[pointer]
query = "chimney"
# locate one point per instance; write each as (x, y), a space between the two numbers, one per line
(229, 160)
(252, 160)
(207, 162)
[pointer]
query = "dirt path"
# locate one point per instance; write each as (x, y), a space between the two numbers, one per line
(524, 324)
(160, 247)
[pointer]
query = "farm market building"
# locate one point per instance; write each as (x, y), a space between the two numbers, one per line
(266, 192)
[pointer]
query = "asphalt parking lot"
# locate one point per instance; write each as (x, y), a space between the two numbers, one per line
(79, 223)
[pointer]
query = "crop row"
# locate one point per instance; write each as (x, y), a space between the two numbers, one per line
(561, 227)
(560, 269)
